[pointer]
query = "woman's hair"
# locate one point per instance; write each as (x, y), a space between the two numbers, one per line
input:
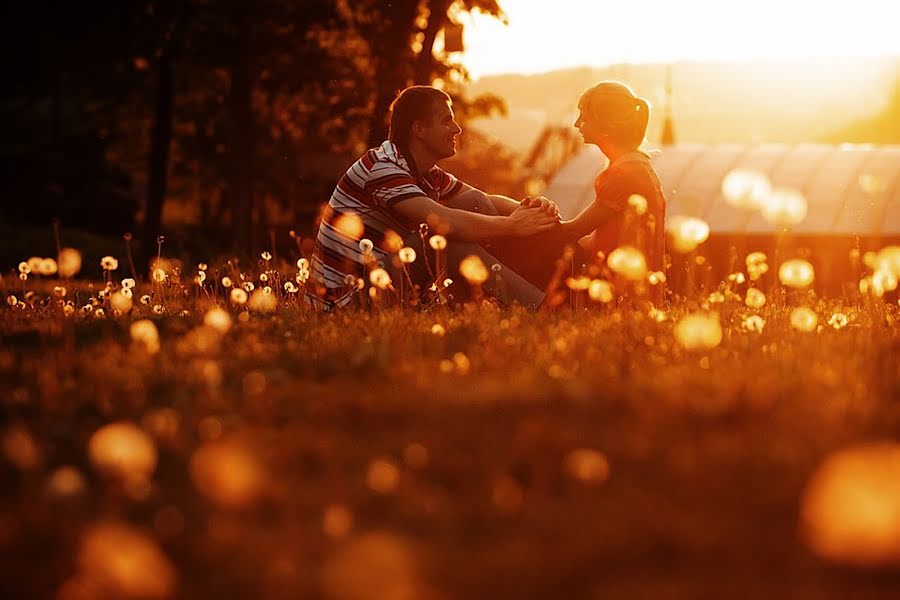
(415, 103)
(624, 115)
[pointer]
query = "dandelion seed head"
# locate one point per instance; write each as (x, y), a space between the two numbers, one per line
(218, 319)
(796, 273)
(380, 279)
(437, 242)
(226, 282)
(754, 298)
(638, 203)
(144, 332)
(68, 262)
(266, 256)
(804, 319)
(407, 255)
(754, 323)
(108, 263)
(238, 296)
(159, 275)
(784, 207)
(303, 264)
(745, 188)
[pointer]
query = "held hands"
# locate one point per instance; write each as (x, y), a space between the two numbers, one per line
(543, 203)
(532, 216)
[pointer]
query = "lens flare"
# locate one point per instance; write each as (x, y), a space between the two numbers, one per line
(850, 510)
(784, 207)
(600, 291)
(628, 262)
(687, 233)
(123, 450)
(144, 333)
(350, 225)
(745, 188)
(699, 331)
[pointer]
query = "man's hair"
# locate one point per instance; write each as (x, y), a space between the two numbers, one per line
(415, 103)
(625, 116)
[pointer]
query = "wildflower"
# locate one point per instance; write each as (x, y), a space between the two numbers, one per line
(248, 286)
(159, 275)
(145, 299)
(226, 282)
(796, 273)
(289, 287)
(437, 242)
(266, 256)
(202, 267)
(804, 319)
(24, 268)
(755, 298)
(109, 263)
(407, 255)
(238, 296)
(380, 278)
(302, 264)
(128, 283)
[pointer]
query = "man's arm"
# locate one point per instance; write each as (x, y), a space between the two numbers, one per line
(472, 226)
(503, 205)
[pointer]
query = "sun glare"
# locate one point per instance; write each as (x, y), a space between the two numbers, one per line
(543, 37)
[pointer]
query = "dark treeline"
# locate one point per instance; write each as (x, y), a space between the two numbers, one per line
(111, 108)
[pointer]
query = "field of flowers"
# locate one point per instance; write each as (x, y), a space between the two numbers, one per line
(206, 434)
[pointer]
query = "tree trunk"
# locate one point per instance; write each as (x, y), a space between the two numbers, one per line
(241, 151)
(157, 171)
(425, 60)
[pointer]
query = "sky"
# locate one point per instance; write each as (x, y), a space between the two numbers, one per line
(545, 35)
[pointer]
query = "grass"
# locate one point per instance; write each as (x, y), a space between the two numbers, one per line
(370, 454)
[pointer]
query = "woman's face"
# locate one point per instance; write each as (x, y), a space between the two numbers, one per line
(590, 127)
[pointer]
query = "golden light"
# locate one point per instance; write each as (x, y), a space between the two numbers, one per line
(120, 301)
(218, 319)
(850, 510)
(746, 188)
(108, 263)
(638, 203)
(68, 262)
(754, 323)
(373, 566)
(127, 561)
(263, 301)
(883, 281)
(350, 225)
(473, 270)
(144, 333)
(628, 262)
(238, 296)
(687, 232)
(226, 472)
(887, 259)
(587, 466)
(383, 476)
(123, 450)
(380, 279)
(804, 319)
(600, 291)
(699, 331)
(437, 242)
(784, 206)
(796, 273)
(66, 482)
(756, 265)
(755, 298)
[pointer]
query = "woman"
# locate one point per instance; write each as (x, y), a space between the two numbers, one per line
(629, 208)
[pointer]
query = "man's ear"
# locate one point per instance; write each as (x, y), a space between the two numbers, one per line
(417, 129)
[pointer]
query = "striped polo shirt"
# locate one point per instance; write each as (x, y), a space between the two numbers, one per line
(362, 207)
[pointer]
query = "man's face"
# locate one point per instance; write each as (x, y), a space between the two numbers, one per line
(438, 134)
(589, 127)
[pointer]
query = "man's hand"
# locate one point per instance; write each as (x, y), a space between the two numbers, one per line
(528, 220)
(543, 203)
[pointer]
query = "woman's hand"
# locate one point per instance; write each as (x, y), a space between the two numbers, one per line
(528, 220)
(543, 203)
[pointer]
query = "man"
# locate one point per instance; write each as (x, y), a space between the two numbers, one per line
(394, 188)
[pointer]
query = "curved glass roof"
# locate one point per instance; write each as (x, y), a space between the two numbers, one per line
(849, 189)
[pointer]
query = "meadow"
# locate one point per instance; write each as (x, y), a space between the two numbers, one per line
(206, 433)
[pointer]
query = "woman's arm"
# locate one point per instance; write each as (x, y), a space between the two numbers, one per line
(592, 217)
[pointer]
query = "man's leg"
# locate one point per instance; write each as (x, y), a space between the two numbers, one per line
(512, 286)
